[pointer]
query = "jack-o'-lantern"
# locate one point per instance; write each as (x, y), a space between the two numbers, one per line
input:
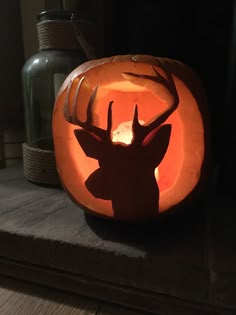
(130, 136)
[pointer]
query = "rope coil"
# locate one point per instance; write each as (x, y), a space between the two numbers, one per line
(40, 165)
(69, 35)
(57, 35)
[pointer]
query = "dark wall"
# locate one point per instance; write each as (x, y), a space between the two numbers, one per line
(195, 32)
(11, 62)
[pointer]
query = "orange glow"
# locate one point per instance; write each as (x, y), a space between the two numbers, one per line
(179, 171)
(124, 86)
(123, 132)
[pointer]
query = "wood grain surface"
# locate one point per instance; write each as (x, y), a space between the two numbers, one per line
(21, 298)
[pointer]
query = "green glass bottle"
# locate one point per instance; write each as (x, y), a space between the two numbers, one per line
(42, 76)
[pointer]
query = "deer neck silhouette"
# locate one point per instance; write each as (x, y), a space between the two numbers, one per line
(126, 172)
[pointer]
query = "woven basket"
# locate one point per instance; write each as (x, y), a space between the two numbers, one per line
(40, 165)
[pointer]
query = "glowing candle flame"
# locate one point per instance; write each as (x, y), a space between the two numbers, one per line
(124, 134)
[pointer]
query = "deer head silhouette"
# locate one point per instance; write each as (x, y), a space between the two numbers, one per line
(126, 172)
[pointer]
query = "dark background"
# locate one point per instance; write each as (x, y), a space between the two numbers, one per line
(198, 33)
(201, 34)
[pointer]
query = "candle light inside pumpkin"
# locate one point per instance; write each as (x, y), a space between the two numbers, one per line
(123, 134)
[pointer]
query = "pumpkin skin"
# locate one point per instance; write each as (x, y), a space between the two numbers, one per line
(181, 173)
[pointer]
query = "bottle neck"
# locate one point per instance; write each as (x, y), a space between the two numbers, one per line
(57, 34)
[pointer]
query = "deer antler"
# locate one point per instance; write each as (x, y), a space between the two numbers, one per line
(88, 124)
(141, 131)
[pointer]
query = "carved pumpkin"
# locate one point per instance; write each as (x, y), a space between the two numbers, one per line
(130, 136)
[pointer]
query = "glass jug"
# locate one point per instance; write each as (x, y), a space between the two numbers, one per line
(42, 76)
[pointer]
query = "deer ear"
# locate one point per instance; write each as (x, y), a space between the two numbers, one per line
(91, 145)
(95, 184)
(158, 145)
